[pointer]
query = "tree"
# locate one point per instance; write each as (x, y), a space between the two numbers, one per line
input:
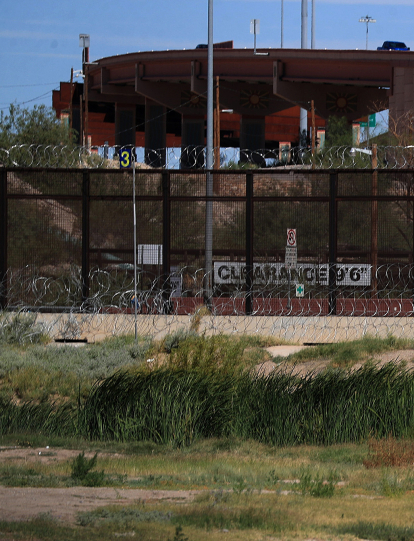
(339, 132)
(36, 127)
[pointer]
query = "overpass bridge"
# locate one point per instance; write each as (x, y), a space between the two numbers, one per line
(350, 83)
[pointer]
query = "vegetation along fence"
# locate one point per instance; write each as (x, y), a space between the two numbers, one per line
(67, 241)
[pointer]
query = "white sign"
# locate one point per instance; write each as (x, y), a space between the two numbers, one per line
(226, 272)
(149, 254)
(291, 237)
(300, 290)
(291, 257)
(255, 26)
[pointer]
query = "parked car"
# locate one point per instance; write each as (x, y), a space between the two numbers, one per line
(393, 46)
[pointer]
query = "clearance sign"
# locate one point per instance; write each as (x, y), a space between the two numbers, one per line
(276, 273)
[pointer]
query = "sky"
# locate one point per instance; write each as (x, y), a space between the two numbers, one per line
(39, 40)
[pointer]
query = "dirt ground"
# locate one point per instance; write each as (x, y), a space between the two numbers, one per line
(63, 504)
(404, 355)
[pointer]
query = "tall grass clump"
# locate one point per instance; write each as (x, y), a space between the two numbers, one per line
(327, 408)
(44, 418)
(164, 406)
(179, 406)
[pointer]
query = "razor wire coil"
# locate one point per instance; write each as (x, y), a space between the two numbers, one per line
(32, 155)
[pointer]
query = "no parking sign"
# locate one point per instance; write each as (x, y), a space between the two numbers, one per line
(291, 237)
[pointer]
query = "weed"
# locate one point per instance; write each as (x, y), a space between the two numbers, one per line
(171, 341)
(391, 485)
(179, 535)
(239, 486)
(316, 486)
(381, 531)
(388, 452)
(121, 516)
(81, 471)
(273, 478)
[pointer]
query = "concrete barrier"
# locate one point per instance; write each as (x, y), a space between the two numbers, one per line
(296, 329)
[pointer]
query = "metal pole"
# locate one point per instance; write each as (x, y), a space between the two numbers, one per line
(209, 160)
(210, 88)
(333, 233)
(303, 119)
(304, 32)
(313, 26)
(134, 210)
(281, 26)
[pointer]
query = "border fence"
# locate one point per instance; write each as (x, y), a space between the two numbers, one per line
(67, 243)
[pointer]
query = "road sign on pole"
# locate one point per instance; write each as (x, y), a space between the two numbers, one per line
(291, 237)
(291, 257)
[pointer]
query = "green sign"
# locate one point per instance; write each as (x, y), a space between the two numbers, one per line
(372, 122)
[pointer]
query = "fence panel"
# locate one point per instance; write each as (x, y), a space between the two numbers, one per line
(67, 236)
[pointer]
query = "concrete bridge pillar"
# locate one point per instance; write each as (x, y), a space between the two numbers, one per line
(155, 134)
(125, 121)
(192, 142)
(252, 137)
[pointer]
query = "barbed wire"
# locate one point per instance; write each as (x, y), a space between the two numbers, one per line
(382, 302)
(32, 155)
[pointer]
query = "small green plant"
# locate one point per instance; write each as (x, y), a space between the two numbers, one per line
(81, 471)
(172, 341)
(239, 486)
(316, 486)
(391, 485)
(179, 535)
(273, 478)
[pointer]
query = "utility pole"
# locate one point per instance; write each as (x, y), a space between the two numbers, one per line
(84, 42)
(217, 126)
(208, 281)
(303, 119)
(71, 106)
(281, 25)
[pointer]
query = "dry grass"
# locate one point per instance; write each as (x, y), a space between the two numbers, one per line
(389, 452)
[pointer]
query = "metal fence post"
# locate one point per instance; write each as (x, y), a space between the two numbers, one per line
(249, 243)
(3, 239)
(333, 187)
(85, 234)
(166, 241)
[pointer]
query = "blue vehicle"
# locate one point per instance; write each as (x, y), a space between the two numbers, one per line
(393, 46)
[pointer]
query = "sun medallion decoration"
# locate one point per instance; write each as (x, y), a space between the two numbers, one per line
(192, 100)
(341, 103)
(254, 99)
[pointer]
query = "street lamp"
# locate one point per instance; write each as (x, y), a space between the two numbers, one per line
(367, 19)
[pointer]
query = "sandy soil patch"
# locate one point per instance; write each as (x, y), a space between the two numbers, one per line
(63, 504)
(405, 356)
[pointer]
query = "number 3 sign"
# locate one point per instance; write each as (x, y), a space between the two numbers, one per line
(125, 158)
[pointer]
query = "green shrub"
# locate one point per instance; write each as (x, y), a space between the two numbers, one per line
(81, 471)
(172, 341)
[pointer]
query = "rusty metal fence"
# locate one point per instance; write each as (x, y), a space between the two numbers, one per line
(67, 243)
